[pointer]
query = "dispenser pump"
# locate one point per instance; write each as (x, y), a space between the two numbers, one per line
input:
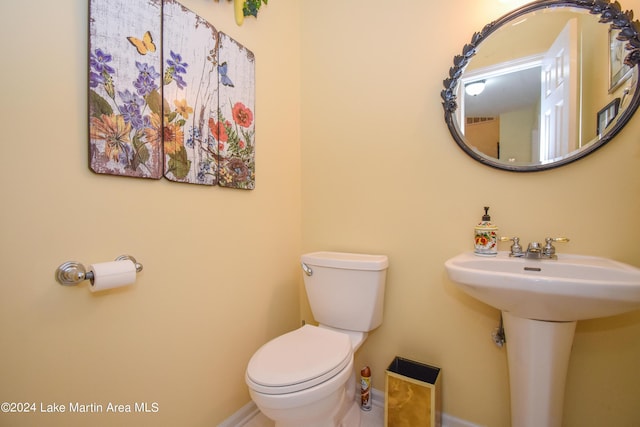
(486, 216)
(486, 236)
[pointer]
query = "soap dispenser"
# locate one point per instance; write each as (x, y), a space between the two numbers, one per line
(486, 236)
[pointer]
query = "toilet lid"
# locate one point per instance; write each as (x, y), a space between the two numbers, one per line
(298, 360)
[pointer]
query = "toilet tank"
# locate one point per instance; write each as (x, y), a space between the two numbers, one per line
(346, 290)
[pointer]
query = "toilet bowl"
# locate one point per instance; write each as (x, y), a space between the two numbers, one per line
(305, 378)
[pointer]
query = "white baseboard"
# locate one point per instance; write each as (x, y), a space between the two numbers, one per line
(242, 416)
(250, 410)
(377, 397)
(451, 421)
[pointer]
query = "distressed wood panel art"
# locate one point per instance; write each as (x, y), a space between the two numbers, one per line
(190, 95)
(124, 88)
(235, 120)
(180, 104)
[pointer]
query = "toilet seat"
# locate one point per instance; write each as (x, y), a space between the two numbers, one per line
(298, 360)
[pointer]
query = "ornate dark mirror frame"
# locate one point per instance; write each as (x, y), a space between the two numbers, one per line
(610, 13)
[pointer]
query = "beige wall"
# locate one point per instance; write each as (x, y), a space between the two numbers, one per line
(381, 174)
(219, 278)
(352, 89)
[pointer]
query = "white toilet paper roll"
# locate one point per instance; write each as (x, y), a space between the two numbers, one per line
(108, 275)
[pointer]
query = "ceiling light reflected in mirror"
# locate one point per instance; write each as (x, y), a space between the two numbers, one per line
(475, 88)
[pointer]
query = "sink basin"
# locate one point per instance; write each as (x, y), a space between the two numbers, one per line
(573, 287)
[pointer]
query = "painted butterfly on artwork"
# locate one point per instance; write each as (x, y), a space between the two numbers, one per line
(224, 79)
(144, 45)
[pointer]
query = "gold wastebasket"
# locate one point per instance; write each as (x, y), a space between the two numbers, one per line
(412, 395)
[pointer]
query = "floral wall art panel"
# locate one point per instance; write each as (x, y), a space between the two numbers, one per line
(235, 119)
(190, 95)
(125, 132)
(169, 96)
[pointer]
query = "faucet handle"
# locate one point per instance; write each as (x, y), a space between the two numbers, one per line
(556, 239)
(516, 249)
(549, 249)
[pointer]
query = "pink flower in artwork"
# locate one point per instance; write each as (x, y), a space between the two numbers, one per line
(242, 115)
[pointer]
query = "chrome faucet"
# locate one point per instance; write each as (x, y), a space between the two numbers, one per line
(516, 249)
(549, 251)
(534, 250)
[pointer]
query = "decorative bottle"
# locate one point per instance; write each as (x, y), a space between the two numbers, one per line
(486, 236)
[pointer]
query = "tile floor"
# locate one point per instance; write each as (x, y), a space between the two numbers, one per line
(373, 418)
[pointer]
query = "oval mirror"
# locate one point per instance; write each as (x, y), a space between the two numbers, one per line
(544, 85)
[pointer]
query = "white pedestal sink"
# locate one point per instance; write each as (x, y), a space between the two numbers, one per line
(541, 301)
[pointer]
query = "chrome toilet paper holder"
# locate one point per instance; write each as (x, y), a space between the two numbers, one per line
(72, 273)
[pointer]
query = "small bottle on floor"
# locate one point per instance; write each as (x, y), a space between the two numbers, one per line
(365, 389)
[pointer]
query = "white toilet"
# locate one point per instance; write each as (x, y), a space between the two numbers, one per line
(306, 377)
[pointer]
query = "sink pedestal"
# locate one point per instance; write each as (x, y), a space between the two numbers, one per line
(538, 356)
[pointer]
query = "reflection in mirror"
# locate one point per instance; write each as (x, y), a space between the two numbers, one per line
(553, 84)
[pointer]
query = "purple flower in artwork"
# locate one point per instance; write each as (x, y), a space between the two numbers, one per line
(179, 81)
(194, 135)
(204, 170)
(147, 70)
(177, 64)
(145, 83)
(126, 154)
(131, 109)
(132, 116)
(95, 79)
(174, 69)
(131, 99)
(98, 61)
